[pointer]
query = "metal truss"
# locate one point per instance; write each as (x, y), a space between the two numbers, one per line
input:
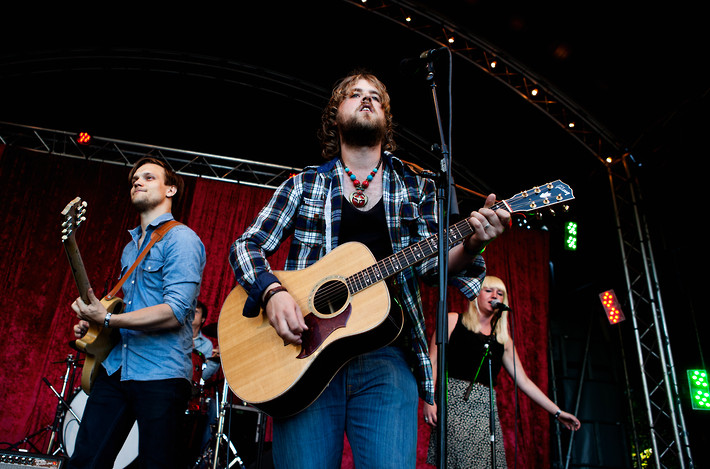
(106, 150)
(666, 425)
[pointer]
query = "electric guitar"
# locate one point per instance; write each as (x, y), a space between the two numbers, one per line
(346, 305)
(99, 340)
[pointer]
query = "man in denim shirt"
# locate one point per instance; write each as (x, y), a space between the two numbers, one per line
(147, 375)
(363, 193)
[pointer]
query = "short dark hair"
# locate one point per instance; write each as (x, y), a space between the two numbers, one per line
(171, 177)
(202, 306)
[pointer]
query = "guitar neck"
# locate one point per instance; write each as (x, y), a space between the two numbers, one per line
(410, 255)
(532, 199)
(77, 268)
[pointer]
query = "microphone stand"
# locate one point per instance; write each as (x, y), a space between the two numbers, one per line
(443, 204)
(59, 412)
(488, 356)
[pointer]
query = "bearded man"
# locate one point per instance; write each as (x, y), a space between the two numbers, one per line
(365, 194)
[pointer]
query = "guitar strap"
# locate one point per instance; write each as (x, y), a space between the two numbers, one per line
(156, 236)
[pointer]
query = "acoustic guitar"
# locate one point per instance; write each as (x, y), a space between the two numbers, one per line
(346, 305)
(99, 340)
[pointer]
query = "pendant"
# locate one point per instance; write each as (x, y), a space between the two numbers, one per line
(358, 199)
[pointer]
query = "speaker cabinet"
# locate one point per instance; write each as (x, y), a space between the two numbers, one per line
(20, 459)
(246, 429)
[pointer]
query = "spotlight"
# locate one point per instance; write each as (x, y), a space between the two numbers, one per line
(571, 236)
(83, 138)
(611, 307)
(698, 387)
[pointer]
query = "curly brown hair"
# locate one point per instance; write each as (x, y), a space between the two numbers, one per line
(328, 133)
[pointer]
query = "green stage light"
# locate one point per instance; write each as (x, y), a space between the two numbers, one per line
(699, 392)
(571, 236)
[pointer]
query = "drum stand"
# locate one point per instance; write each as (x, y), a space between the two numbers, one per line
(210, 457)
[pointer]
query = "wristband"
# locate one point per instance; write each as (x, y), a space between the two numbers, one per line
(107, 319)
(557, 414)
(271, 293)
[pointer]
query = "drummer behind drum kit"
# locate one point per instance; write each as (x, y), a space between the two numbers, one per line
(207, 426)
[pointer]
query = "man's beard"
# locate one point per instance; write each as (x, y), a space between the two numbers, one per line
(144, 204)
(361, 132)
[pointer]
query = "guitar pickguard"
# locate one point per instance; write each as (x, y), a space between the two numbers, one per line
(319, 329)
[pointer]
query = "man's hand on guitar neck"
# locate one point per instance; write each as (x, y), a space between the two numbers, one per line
(285, 316)
(487, 225)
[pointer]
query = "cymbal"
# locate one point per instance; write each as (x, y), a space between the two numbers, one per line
(210, 330)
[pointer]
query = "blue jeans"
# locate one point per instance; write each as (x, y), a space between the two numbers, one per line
(373, 399)
(113, 406)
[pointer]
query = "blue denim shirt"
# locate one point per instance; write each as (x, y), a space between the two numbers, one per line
(171, 273)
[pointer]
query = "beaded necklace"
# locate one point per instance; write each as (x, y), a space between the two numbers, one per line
(358, 197)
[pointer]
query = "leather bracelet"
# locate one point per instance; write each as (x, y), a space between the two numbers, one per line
(557, 414)
(271, 293)
(107, 319)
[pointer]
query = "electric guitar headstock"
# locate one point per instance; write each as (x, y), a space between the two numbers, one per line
(73, 215)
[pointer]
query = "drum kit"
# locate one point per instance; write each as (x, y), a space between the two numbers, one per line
(209, 418)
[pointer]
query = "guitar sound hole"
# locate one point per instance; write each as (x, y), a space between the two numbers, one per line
(330, 297)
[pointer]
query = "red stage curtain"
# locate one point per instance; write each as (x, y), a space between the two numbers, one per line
(36, 286)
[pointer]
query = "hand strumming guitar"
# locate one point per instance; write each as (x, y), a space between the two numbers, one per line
(87, 313)
(285, 316)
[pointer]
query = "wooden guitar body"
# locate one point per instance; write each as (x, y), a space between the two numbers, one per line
(97, 344)
(282, 380)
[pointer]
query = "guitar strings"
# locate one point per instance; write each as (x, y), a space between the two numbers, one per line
(389, 266)
(337, 291)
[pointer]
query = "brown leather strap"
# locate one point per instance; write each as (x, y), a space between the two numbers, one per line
(154, 238)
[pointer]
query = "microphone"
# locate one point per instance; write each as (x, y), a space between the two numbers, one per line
(498, 306)
(431, 54)
(415, 65)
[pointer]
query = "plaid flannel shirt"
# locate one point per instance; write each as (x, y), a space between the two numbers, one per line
(308, 206)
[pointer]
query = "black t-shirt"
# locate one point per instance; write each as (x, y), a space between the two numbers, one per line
(369, 227)
(465, 352)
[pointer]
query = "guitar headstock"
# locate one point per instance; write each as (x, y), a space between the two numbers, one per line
(73, 216)
(540, 197)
